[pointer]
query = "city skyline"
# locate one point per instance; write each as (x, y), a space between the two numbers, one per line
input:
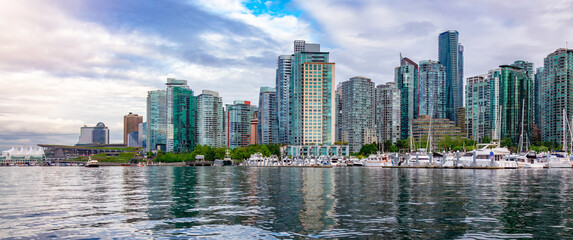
(68, 64)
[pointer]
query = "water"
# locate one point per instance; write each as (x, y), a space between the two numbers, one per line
(283, 203)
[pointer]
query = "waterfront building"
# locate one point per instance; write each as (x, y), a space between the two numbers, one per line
(493, 77)
(387, 113)
(450, 53)
(130, 129)
(94, 135)
(424, 125)
(22, 155)
(267, 116)
(556, 91)
(432, 89)
(515, 100)
(338, 102)
(358, 112)
(142, 131)
(238, 118)
(210, 128)
(312, 98)
(537, 105)
(478, 107)
(171, 118)
(254, 136)
(407, 79)
(461, 122)
(284, 72)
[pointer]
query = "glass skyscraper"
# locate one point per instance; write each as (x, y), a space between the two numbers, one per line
(556, 92)
(515, 100)
(478, 107)
(238, 118)
(284, 70)
(406, 78)
(171, 118)
(432, 89)
(387, 112)
(358, 112)
(312, 98)
(210, 119)
(268, 123)
(450, 53)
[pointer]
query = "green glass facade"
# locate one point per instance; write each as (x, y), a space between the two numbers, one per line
(515, 97)
(478, 107)
(556, 94)
(183, 120)
(407, 80)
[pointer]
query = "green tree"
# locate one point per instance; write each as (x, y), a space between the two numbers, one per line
(368, 149)
(220, 153)
(506, 142)
(387, 145)
(393, 148)
(485, 140)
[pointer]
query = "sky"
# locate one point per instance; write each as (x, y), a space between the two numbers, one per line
(66, 63)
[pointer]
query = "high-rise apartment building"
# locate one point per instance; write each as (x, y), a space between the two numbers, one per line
(432, 89)
(130, 126)
(478, 107)
(556, 91)
(338, 104)
(537, 104)
(387, 115)
(515, 102)
(267, 119)
(171, 118)
(494, 77)
(210, 128)
(284, 71)
(238, 122)
(450, 53)
(406, 77)
(312, 98)
(358, 112)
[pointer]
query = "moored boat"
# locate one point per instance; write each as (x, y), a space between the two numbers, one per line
(92, 162)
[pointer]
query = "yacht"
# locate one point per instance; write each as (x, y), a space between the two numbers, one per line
(92, 162)
(558, 160)
(488, 155)
(356, 162)
(418, 158)
(337, 161)
(377, 160)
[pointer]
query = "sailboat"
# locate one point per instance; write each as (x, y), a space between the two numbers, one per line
(417, 157)
(561, 158)
(526, 159)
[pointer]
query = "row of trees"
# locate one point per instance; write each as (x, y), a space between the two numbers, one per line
(211, 153)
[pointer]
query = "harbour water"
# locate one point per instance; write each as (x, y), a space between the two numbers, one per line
(284, 203)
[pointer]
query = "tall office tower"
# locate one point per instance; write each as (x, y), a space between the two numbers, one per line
(432, 89)
(450, 53)
(130, 125)
(171, 118)
(494, 77)
(407, 79)
(142, 134)
(556, 91)
(210, 128)
(537, 99)
(156, 120)
(387, 112)
(312, 97)
(358, 112)
(478, 107)
(267, 119)
(515, 101)
(94, 135)
(284, 70)
(238, 123)
(338, 104)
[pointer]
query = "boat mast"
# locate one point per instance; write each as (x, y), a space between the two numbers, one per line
(521, 135)
(429, 143)
(564, 142)
(412, 146)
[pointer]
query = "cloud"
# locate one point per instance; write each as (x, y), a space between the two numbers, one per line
(69, 63)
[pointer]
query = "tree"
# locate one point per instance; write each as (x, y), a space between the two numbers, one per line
(485, 140)
(387, 145)
(506, 142)
(368, 149)
(393, 148)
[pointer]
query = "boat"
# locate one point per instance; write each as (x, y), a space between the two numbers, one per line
(558, 160)
(377, 160)
(418, 158)
(356, 162)
(337, 161)
(488, 155)
(92, 162)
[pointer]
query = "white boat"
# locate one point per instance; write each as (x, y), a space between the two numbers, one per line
(92, 162)
(488, 155)
(377, 160)
(337, 161)
(356, 162)
(558, 160)
(418, 158)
